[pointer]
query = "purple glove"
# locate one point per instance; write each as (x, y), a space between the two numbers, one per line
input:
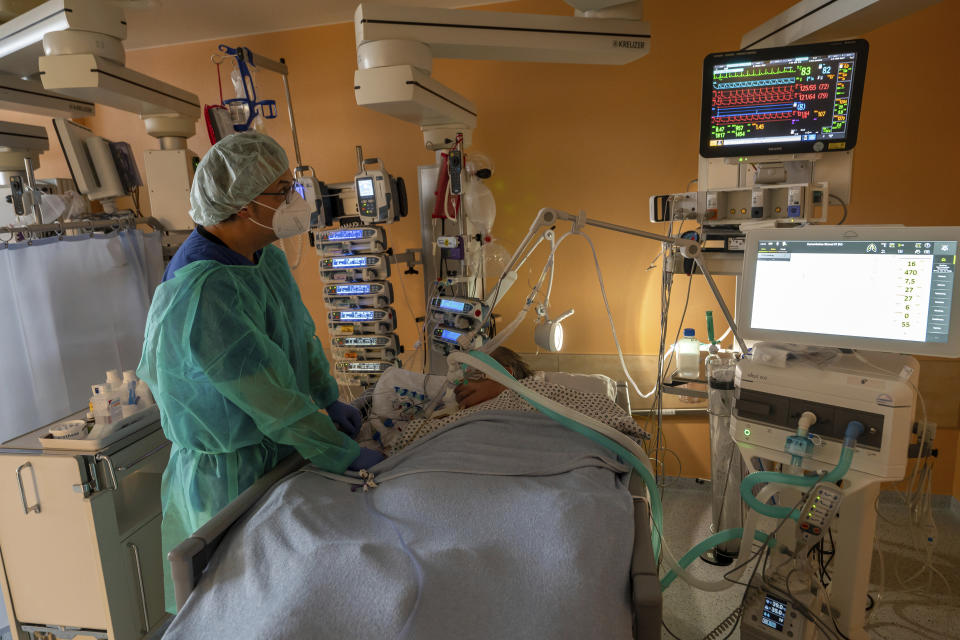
(346, 417)
(366, 459)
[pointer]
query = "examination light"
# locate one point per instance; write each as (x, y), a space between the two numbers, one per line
(549, 333)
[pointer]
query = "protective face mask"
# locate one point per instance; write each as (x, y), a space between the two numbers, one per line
(289, 219)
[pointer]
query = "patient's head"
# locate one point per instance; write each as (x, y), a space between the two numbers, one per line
(512, 362)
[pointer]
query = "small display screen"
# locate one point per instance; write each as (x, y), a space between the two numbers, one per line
(357, 315)
(365, 187)
(352, 289)
(346, 234)
(349, 262)
(452, 305)
(300, 189)
(774, 613)
(448, 335)
(365, 366)
(361, 341)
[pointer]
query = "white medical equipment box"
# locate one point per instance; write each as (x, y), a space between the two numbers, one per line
(80, 533)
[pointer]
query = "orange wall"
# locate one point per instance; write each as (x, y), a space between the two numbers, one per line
(603, 139)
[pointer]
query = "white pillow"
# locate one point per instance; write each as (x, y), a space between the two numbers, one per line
(587, 382)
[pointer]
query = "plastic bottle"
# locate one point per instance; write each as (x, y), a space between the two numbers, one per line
(105, 405)
(113, 378)
(144, 397)
(130, 387)
(687, 352)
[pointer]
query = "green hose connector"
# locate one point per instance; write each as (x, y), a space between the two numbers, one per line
(656, 507)
(710, 328)
(727, 535)
(763, 477)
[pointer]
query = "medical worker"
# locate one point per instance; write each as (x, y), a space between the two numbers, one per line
(230, 352)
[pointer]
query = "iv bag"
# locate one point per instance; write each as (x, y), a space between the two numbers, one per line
(479, 205)
(240, 111)
(495, 259)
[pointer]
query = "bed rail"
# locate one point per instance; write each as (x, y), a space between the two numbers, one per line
(189, 558)
(644, 577)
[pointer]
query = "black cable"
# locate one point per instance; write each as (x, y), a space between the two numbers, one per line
(842, 204)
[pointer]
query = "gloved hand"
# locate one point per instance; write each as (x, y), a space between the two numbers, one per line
(366, 459)
(346, 417)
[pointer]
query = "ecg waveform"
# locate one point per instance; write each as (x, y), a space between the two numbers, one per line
(745, 84)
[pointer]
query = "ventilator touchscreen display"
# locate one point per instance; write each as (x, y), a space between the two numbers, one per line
(885, 290)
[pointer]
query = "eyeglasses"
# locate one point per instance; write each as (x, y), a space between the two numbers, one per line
(288, 192)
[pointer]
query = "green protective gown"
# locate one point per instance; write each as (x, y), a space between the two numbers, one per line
(231, 357)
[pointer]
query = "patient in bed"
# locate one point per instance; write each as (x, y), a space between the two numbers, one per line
(392, 422)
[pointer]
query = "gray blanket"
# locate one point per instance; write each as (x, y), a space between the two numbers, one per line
(502, 526)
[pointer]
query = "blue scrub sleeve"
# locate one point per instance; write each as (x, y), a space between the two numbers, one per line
(251, 371)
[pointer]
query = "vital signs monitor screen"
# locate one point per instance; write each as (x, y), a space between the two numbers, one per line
(884, 290)
(803, 98)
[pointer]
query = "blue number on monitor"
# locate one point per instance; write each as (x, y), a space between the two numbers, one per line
(447, 334)
(349, 262)
(452, 305)
(357, 315)
(345, 234)
(352, 289)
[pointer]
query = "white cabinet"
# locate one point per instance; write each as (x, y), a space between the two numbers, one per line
(80, 536)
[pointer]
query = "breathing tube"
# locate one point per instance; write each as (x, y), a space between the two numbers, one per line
(586, 426)
(628, 450)
(854, 429)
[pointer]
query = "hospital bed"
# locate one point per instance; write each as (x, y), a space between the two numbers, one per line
(190, 559)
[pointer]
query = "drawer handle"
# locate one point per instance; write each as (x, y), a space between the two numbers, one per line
(143, 593)
(23, 495)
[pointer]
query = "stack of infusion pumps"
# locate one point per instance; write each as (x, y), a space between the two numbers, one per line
(453, 320)
(354, 267)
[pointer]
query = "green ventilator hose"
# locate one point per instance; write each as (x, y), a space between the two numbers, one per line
(538, 402)
(854, 429)
(727, 535)
(596, 434)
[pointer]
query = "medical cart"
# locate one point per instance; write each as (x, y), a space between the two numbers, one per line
(80, 547)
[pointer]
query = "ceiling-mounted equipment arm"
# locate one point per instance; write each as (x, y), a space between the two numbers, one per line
(819, 21)
(396, 46)
(77, 48)
(514, 37)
